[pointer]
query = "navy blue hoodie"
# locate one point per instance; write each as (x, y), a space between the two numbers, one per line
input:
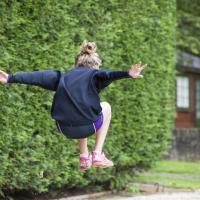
(76, 103)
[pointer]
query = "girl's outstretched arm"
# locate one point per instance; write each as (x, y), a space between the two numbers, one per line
(104, 77)
(47, 79)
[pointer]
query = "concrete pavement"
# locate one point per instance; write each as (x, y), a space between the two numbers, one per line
(166, 196)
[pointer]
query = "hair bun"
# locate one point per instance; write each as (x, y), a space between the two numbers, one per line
(88, 47)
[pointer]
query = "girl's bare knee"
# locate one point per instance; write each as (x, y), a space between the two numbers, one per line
(106, 107)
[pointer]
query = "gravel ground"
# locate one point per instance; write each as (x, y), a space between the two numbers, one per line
(166, 196)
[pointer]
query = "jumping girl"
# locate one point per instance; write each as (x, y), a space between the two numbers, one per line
(76, 107)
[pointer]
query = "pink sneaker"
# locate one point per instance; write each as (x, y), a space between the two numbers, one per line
(100, 160)
(85, 162)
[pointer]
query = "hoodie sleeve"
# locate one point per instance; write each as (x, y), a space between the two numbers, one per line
(105, 77)
(47, 79)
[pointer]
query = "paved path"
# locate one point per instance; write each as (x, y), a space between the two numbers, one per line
(172, 196)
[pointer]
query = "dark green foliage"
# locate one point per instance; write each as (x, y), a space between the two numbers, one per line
(188, 26)
(41, 35)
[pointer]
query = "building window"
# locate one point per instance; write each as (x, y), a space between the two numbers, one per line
(182, 92)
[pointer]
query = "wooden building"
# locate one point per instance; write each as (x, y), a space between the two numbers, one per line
(187, 91)
(186, 133)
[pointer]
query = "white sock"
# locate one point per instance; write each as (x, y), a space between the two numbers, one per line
(97, 152)
(84, 155)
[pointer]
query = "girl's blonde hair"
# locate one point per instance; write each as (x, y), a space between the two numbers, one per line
(88, 56)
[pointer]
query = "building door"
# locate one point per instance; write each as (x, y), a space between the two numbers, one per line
(197, 104)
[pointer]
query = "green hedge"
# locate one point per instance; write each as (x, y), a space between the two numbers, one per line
(37, 35)
(188, 26)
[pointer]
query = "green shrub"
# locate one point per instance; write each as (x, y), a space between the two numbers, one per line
(37, 35)
(188, 26)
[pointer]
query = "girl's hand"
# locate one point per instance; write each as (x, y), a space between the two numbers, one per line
(135, 70)
(3, 77)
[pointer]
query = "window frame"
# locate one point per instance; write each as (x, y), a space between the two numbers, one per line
(197, 120)
(178, 108)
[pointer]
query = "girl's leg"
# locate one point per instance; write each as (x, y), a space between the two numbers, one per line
(83, 146)
(102, 132)
(98, 158)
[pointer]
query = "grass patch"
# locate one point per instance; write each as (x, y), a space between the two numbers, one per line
(175, 174)
(177, 167)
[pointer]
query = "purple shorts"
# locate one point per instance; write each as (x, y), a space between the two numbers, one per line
(98, 123)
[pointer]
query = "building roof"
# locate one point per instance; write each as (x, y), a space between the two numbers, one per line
(188, 62)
